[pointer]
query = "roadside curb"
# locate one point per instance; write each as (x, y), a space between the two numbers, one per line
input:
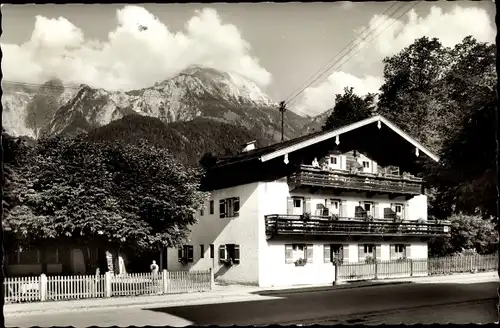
(298, 290)
(146, 304)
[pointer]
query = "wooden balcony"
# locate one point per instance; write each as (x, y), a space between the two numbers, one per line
(277, 224)
(395, 184)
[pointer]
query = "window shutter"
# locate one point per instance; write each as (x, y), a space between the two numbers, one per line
(190, 253)
(343, 165)
(222, 252)
(179, 253)
(236, 206)
(378, 252)
(345, 253)
(408, 251)
(343, 209)
(404, 215)
(289, 205)
(376, 210)
(212, 207)
(327, 253)
(309, 253)
(307, 208)
(361, 253)
(222, 208)
(236, 258)
(393, 252)
(288, 253)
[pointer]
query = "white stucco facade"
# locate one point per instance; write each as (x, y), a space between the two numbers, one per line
(213, 230)
(262, 261)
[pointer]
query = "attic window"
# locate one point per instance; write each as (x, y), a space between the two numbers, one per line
(333, 160)
(366, 164)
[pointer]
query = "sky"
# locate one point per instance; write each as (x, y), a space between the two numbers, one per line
(277, 46)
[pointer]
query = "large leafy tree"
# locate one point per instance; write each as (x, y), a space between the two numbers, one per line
(445, 98)
(350, 108)
(466, 180)
(114, 195)
(429, 88)
(467, 233)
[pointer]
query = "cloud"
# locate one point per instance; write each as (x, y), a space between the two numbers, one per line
(450, 27)
(139, 52)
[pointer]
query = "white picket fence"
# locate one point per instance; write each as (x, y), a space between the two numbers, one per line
(417, 267)
(55, 288)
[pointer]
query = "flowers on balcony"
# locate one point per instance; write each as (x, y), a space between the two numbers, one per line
(300, 262)
(227, 262)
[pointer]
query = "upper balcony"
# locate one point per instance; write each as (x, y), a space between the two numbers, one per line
(293, 225)
(309, 176)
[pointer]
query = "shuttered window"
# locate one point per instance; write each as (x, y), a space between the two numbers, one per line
(229, 207)
(398, 251)
(212, 251)
(333, 251)
(202, 251)
(378, 252)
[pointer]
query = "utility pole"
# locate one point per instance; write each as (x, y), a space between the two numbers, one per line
(282, 111)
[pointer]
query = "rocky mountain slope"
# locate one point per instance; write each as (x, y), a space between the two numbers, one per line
(195, 92)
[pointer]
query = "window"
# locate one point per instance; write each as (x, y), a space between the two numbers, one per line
(333, 251)
(398, 251)
(369, 249)
(294, 252)
(212, 207)
(229, 252)
(29, 256)
(297, 202)
(212, 251)
(398, 209)
(202, 251)
(368, 207)
(229, 207)
(185, 253)
(333, 160)
(366, 164)
(52, 255)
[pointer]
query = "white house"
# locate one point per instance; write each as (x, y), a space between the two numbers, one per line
(281, 214)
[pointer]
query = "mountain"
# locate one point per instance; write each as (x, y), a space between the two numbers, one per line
(187, 141)
(28, 108)
(200, 109)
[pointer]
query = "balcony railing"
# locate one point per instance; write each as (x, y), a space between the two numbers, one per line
(308, 176)
(315, 225)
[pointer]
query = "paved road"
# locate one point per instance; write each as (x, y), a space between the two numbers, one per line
(408, 303)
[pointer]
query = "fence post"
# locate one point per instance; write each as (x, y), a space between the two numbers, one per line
(164, 274)
(107, 284)
(376, 269)
(212, 280)
(43, 287)
(411, 268)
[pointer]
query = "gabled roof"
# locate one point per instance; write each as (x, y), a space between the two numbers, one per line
(280, 149)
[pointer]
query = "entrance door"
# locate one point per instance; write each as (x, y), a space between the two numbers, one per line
(298, 206)
(77, 262)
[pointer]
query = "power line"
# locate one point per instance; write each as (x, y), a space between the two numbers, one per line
(411, 7)
(331, 59)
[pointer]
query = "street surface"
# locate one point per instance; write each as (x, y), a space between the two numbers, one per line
(392, 304)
